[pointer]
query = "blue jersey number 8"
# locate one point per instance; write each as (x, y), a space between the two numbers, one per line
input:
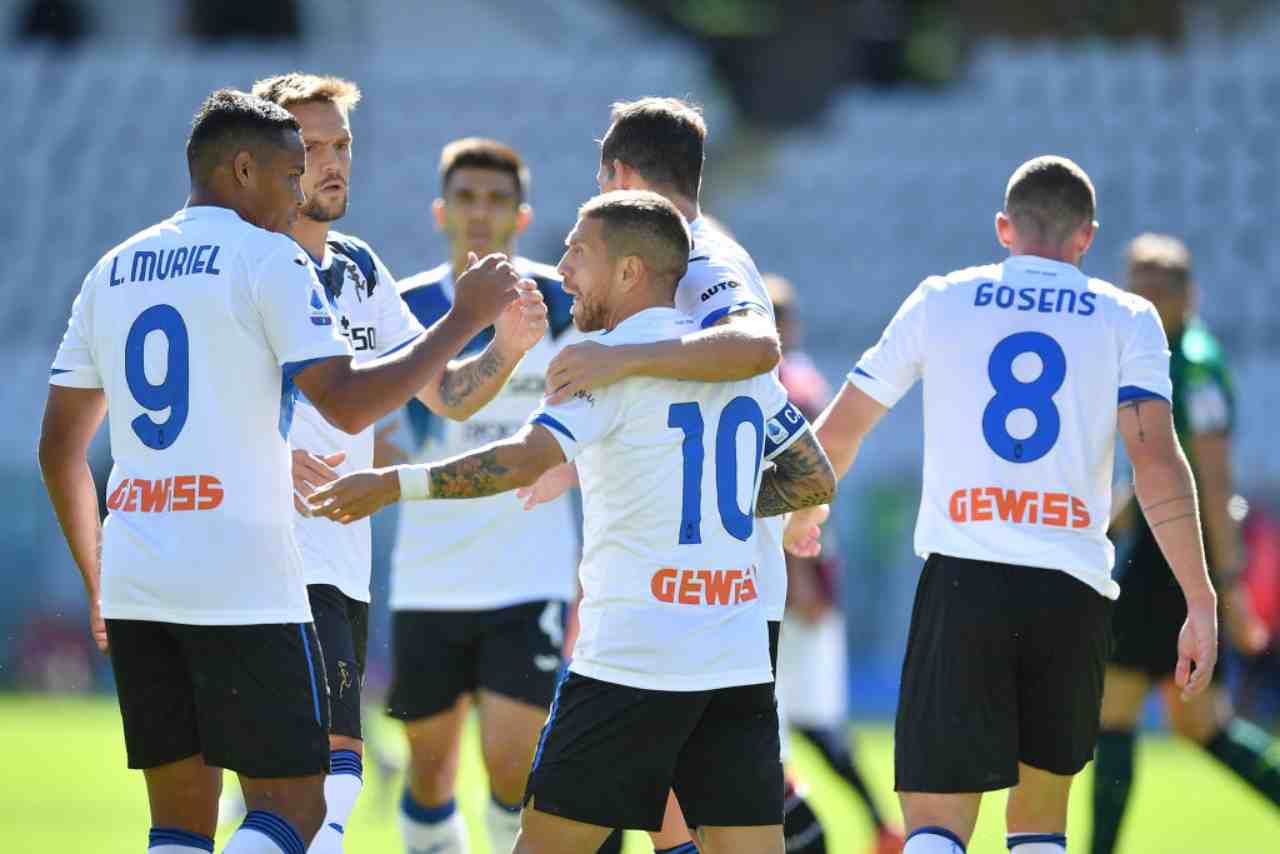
(174, 391)
(687, 417)
(1036, 396)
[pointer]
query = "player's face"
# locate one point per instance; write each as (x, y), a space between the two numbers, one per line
(326, 134)
(1171, 298)
(274, 195)
(481, 211)
(587, 271)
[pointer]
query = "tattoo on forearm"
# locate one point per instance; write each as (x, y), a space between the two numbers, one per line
(1177, 518)
(460, 382)
(800, 478)
(1136, 406)
(1159, 504)
(472, 476)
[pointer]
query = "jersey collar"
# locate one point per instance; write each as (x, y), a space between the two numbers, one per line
(1041, 265)
(205, 212)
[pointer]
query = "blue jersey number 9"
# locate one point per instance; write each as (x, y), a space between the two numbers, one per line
(1036, 396)
(174, 391)
(687, 417)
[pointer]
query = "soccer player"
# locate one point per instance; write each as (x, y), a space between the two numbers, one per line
(1150, 609)
(190, 337)
(470, 626)
(658, 144)
(670, 685)
(363, 298)
(812, 675)
(1028, 369)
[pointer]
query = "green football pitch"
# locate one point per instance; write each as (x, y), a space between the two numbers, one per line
(65, 789)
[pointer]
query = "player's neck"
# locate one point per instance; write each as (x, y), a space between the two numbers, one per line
(1047, 252)
(458, 257)
(310, 235)
(630, 309)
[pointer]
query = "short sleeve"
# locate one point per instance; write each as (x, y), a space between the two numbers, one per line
(1207, 401)
(580, 421)
(1144, 359)
(397, 327)
(710, 292)
(73, 366)
(295, 315)
(888, 370)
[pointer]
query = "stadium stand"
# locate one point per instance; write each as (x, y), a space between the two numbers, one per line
(894, 185)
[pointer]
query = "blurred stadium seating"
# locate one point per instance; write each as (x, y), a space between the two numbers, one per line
(893, 185)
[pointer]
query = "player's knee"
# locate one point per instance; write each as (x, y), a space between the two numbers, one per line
(508, 771)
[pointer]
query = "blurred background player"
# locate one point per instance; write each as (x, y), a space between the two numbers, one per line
(1151, 610)
(191, 337)
(671, 683)
(813, 679)
(478, 588)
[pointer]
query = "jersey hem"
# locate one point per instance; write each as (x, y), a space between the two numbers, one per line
(205, 618)
(360, 594)
(701, 682)
(481, 604)
(1106, 587)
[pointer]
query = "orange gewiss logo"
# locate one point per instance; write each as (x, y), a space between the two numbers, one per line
(1022, 506)
(703, 586)
(184, 492)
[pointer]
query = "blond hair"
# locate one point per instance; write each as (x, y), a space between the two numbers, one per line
(1163, 253)
(297, 87)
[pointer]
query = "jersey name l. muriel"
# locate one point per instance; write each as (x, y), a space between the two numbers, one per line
(194, 329)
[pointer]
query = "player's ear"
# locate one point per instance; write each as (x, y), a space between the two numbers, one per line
(1005, 232)
(524, 217)
(437, 211)
(242, 167)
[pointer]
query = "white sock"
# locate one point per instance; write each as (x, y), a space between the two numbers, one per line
(503, 824)
(1036, 843)
(265, 833)
(933, 840)
(171, 840)
(341, 788)
(439, 830)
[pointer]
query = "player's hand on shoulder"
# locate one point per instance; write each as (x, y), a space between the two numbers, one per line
(1198, 646)
(582, 367)
(523, 322)
(803, 535)
(311, 471)
(355, 496)
(486, 288)
(553, 483)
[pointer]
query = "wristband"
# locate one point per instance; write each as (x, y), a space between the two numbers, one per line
(415, 485)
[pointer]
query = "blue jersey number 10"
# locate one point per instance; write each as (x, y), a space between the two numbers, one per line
(174, 391)
(687, 417)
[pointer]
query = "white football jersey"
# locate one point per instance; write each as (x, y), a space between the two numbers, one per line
(485, 553)
(363, 299)
(194, 329)
(1024, 365)
(670, 471)
(723, 279)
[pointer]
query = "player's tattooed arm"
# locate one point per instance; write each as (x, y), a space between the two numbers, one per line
(468, 385)
(801, 477)
(490, 470)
